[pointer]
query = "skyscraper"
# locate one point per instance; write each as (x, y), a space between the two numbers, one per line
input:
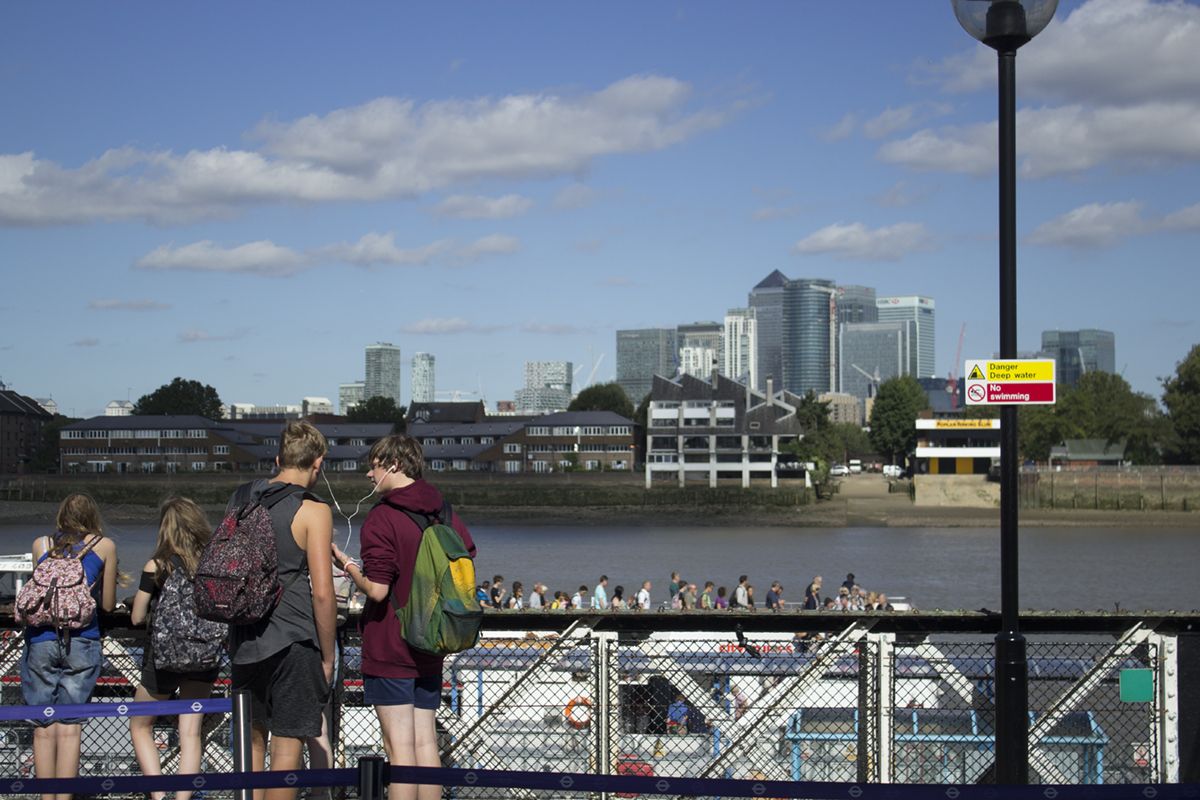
(422, 378)
(882, 350)
(856, 304)
(917, 312)
(383, 372)
(1078, 352)
(741, 346)
(809, 332)
(547, 387)
(641, 354)
(700, 348)
(350, 395)
(767, 301)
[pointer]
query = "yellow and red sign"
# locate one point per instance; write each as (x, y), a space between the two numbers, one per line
(1013, 381)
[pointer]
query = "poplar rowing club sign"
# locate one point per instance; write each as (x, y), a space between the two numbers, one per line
(1016, 381)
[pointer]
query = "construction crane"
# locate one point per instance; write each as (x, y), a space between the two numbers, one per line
(952, 378)
(872, 380)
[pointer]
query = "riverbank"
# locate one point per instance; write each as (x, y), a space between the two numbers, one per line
(839, 512)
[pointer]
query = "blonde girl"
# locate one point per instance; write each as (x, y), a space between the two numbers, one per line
(57, 671)
(183, 531)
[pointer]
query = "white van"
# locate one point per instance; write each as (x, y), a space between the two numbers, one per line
(855, 465)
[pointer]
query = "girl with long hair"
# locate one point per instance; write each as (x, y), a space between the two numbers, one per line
(183, 531)
(61, 666)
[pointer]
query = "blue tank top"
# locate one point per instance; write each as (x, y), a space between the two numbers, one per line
(93, 568)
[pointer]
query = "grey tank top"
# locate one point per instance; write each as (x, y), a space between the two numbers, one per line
(292, 620)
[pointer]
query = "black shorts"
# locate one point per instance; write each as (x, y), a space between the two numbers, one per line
(288, 691)
(164, 682)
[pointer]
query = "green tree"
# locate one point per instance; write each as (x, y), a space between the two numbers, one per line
(603, 397)
(813, 414)
(642, 415)
(378, 409)
(181, 397)
(894, 417)
(1181, 396)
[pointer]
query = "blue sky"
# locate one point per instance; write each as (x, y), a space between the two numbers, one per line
(247, 194)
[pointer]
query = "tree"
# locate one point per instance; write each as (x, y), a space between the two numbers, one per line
(378, 409)
(181, 397)
(812, 414)
(603, 397)
(1181, 396)
(894, 417)
(642, 416)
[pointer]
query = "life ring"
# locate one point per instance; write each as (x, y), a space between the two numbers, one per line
(579, 712)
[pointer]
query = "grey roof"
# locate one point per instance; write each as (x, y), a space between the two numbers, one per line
(1089, 450)
(773, 281)
(777, 418)
(420, 430)
(140, 421)
(451, 451)
(448, 412)
(14, 403)
(340, 430)
(582, 418)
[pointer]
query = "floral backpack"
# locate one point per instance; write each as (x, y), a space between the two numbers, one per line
(58, 594)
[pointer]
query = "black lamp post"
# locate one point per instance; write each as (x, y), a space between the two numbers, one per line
(1005, 25)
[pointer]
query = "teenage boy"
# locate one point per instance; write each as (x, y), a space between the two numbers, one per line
(404, 685)
(285, 661)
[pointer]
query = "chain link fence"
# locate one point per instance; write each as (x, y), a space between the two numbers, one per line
(1147, 488)
(855, 705)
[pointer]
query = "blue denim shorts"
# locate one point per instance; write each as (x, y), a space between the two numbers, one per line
(51, 676)
(425, 692)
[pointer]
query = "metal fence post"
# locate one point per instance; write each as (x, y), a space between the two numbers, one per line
(241, 735)
(371, 773)
(605, 651)
(885, 665)
(866, 713)
(1167, 700)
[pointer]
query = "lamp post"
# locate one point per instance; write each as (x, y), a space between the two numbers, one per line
(1005, 25)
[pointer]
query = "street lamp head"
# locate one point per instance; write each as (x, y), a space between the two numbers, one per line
(1004, 24)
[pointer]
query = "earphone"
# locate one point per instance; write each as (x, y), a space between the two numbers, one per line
(358, 505)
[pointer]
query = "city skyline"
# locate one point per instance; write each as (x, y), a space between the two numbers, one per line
(494, 192)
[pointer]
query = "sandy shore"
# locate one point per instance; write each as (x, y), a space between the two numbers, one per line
(836, 513)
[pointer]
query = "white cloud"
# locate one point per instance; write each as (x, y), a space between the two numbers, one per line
(380, 248)
(386, 148)
(554, 329)
(900, 194)
(1185, 219)
(479, 207)
(126, 305)
(857, 242)
(447, 326)
(494, 245)
(889, 121)
(575, 195)
(256, 258)
(842, 129)
(1093, 225)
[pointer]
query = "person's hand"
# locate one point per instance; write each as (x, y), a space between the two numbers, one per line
(327, 667)
(339, 558)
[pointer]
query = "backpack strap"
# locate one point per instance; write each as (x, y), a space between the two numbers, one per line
(422, 521)
(95, 540)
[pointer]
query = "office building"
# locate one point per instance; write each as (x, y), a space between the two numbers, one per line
(641, 354)
(703, 339)
(315, 405)
(856, 304)
(809, 335)
(547, 387)
(843, 408)
(423, 390)
(350, 395)
(1077, 353)
(871, 353)
(741, 346)
(918, 312)
(767, 301)
(382, 371)
(118, 408)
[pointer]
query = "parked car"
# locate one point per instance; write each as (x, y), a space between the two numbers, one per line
(892, 471)
(838, 471)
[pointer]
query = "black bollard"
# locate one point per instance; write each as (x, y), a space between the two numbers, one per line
(372, 772)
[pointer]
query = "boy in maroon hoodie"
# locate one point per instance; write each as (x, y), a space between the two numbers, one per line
(403, 684)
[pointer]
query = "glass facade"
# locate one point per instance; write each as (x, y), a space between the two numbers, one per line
(808, 336)
(882, 350)
(767, 301)
(642, 354)
(1078, 352)
(383, 372)
(918, 312)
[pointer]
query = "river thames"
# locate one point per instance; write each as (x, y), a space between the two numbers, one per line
(1137, 568)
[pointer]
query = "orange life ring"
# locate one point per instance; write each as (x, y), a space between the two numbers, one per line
(581, 718)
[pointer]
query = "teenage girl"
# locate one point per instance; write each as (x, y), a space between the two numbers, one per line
(58, 672)
(183, 530)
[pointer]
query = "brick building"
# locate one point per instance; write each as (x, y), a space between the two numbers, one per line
(21, 422)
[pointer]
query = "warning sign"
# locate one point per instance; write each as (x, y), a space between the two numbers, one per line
(1019, 381)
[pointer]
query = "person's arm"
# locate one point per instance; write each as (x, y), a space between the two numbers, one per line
(141, 600)
(375, 591)
(317, 522)
(107, 550)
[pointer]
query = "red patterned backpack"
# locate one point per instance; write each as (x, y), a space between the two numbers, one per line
(58, 594)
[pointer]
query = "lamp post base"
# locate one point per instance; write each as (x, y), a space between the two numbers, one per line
(1012, 714)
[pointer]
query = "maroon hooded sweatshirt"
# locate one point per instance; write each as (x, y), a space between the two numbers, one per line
(389, 543)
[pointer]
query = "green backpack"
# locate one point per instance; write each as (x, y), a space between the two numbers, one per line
(442, 615)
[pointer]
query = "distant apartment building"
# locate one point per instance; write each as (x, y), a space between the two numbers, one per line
(315, 405)
(871, 353)
(740, 345)
(118, 408)
(382, 362)
(809, 336)
(1077, 353)
(856, 304)
(843, 408)
(717, 430)
(641, 354)
(701, 347)
(48, 403)
(236, 411)
(547, 387)
(423, 384)
(21, 422)
(351, 395)
(918, 312)
(766, 298)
